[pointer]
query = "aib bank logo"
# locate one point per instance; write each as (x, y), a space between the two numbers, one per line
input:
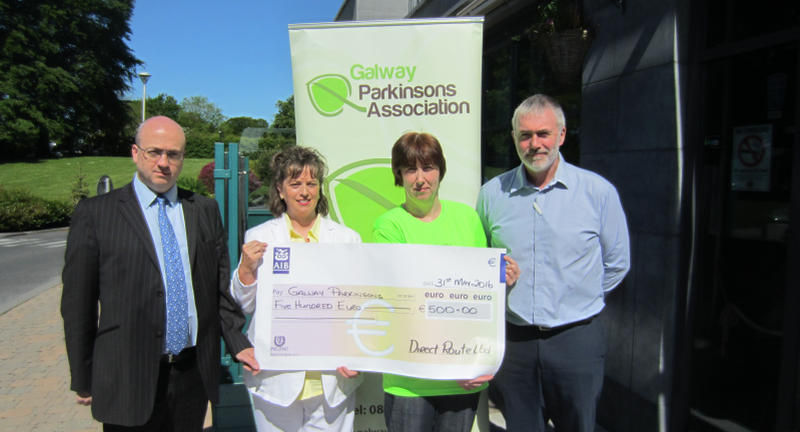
(280, 260)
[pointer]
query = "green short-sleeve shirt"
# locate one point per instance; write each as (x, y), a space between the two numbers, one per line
(457, 225)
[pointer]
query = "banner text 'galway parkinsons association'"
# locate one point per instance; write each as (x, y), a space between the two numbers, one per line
(358, 86)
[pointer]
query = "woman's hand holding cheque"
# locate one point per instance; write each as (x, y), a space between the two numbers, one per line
(252, 252)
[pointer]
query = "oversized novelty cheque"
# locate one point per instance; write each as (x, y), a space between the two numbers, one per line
(417, 310)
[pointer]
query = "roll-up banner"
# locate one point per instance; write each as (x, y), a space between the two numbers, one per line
(358, 86)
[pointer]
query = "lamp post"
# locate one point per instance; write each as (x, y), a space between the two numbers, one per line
(144, 76)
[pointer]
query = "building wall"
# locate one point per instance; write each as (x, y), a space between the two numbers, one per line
(365, 10)
(630, 135)
(347, 11)
(433, 8)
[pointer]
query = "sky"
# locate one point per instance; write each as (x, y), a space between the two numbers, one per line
(235, 52)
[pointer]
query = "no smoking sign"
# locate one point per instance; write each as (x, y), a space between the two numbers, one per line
(750, 162)
(750, 150)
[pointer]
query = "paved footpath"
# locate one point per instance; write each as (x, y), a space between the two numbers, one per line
(34, 378)
(34, 373)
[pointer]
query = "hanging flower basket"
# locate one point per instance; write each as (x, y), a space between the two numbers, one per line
(565, 51)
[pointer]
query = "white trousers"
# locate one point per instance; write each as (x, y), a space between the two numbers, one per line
(307, 415)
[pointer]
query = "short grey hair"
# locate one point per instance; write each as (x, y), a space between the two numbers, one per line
(536, 104)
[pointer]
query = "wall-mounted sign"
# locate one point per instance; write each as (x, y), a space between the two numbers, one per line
(751, 158)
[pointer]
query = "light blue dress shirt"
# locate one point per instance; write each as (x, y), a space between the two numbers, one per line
(570, 239)
(149, 205)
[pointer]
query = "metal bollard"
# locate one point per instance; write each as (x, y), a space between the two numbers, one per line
(104, 185)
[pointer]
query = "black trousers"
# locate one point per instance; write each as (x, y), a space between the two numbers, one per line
(450, 413)
(181, 400)
(553, 375)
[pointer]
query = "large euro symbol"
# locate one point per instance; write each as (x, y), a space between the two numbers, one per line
(356, 330)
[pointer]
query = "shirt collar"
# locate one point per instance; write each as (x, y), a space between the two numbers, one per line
(563, 176)
(313, 234)
(147, 197)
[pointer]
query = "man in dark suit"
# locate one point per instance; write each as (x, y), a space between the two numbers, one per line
(145, 295)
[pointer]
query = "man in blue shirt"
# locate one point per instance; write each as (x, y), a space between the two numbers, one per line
(566, 228)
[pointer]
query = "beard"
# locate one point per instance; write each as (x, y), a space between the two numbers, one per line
(539, 161)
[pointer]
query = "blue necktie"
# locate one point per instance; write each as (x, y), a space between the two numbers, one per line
(177, 315)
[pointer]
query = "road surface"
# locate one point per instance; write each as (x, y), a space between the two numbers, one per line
(30, 263)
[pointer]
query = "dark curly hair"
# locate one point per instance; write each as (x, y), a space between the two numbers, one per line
(290, 163)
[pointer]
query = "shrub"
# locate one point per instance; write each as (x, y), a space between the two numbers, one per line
(80, 188)
(253, 182)
(269, 147)
(258, 197)
(199, 143)
(194, 185)
(21, 211)
(206, 177)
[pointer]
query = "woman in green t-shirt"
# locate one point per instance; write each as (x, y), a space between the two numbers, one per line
(418, 164)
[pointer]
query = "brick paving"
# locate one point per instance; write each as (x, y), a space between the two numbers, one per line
(34, 379)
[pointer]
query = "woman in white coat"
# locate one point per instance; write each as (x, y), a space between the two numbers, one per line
(295, 400)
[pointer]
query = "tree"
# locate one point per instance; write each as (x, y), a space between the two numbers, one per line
(200, 135)
(201, 121)
(64, 66)
(246, 131)
(236, 125)
(280, 135)
(200, 143)
(193, 121)
(284, 118)
(204, 110)
(162, 105)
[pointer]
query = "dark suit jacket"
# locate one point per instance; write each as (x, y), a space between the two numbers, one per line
(113, 302)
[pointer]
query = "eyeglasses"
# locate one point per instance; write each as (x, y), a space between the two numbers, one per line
(153, 154)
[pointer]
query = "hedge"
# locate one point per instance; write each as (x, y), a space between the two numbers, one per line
(21, 211)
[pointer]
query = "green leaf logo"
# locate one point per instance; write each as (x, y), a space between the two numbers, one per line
(329, 94)
(361, 191)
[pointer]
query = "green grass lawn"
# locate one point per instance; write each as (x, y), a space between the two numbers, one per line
(54, 178)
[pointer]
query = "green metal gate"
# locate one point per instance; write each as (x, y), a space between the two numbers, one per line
(231, 181)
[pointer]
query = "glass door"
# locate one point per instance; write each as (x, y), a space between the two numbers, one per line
(739, 332)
